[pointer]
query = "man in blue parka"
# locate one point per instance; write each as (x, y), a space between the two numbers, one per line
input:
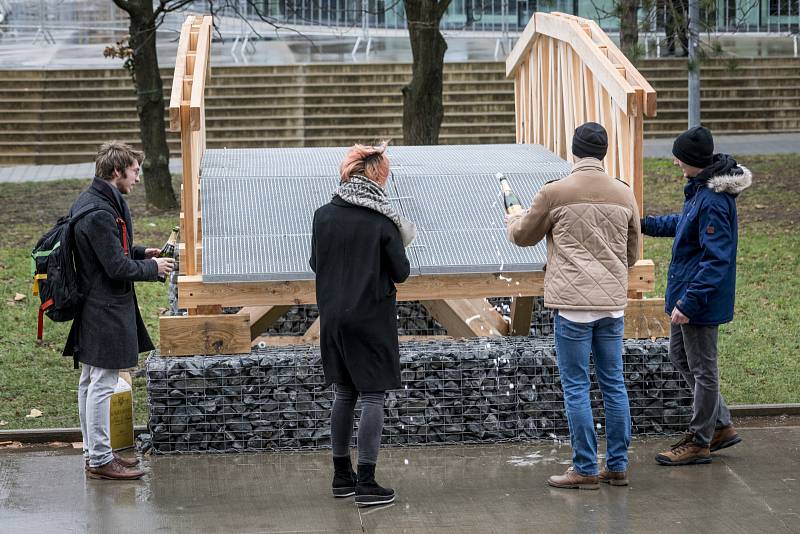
(701, 285)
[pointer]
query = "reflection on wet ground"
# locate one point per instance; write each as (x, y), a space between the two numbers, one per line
(753, 487)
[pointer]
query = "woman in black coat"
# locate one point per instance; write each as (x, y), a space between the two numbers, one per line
(358, 255)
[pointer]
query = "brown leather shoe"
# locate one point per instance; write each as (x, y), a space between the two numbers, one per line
(126, 462)
(114, 470)
(724, 437)
(571, 479)
(615, 478)
(685, 452)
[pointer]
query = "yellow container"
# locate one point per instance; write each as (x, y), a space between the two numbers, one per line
(122, 413)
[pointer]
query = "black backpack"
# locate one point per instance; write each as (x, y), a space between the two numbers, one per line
(55, 279)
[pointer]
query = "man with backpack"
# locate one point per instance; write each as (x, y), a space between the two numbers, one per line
(108, 333)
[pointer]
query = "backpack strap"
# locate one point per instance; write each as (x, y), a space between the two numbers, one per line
(40, 329)
(123, 227)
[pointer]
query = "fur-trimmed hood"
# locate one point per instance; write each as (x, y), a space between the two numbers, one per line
(731, 183)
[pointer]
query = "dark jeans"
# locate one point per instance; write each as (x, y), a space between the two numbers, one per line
(574, 343)
(693, 350)
(369, 427)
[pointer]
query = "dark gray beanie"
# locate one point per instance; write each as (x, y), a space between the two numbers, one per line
(694, 147)
(590, 141)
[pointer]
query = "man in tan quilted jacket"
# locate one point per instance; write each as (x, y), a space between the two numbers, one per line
(591, 222)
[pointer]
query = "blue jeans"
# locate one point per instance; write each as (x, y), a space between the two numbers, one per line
(574, 342)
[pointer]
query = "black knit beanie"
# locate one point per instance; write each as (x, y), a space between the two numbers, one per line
(694, 147)
(590, 141)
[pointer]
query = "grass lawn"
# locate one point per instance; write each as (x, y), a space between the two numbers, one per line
(758, 351)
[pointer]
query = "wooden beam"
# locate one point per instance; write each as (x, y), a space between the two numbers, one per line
(182, 254)
(466, 317)
(262, 317)
(193, 292)
(564, 29)
(520, 49)
(288, 341)
(521, 312)
(176, 96)
(204, 334)
(312, 334)
(646, 318)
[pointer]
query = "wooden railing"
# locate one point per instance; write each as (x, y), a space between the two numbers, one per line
(187, 115)
(566, 72)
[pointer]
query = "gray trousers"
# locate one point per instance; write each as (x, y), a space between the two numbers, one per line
(693, 351)
(369, 427)
(94, 407)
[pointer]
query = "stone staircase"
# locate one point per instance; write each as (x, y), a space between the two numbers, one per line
(62, 116)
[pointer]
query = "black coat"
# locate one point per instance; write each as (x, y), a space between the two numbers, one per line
(109, 331)
(358, 256)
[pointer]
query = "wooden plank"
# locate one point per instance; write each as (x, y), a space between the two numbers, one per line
(524, 42)
(204, 334)
(462, 317)
(288, 341)
(182, 256)
(188, 200)
(176, 96)
(312, 334)
(646, 318)
(200, 73)
(521, 312)
(192, 292)
(633, 75)
(603, 69)
(262, 317)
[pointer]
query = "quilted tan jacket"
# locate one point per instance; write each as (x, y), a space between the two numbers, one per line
(591, 222)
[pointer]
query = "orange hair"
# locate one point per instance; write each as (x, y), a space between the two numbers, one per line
(369, 161)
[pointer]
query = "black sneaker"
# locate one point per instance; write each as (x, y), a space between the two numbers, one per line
(369, 492)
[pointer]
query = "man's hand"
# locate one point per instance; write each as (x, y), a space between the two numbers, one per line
(165, 265)
(150, 253)
(677, 317)
(508, 217)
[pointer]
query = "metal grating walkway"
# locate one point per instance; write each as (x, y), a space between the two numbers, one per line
(258, 205)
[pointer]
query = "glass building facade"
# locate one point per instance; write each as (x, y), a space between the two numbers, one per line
(781, 16)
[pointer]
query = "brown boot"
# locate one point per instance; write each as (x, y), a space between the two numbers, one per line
(571, 479)
(685, 452)
(114, 470)
(724, 437)
(126, 462)
(615, 478)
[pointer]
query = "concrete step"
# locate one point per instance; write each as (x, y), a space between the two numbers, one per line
(730, 82)
(727, 125)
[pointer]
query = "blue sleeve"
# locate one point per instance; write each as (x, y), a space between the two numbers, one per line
(662, 226)
(717, 246)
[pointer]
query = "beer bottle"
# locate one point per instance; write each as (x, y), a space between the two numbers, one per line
(168, 250)
(510, 200)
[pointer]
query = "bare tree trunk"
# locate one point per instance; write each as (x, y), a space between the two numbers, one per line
(629, 27)
(149, 103)
(423, 109)
(694, 63)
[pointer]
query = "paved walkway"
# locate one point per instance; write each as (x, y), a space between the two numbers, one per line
(738, 145)
(753, 487)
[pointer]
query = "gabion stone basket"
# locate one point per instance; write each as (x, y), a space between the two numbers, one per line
(453, 391)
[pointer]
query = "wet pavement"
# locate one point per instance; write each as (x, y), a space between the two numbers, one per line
(753, 487)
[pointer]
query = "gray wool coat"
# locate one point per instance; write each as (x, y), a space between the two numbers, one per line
(109, 331)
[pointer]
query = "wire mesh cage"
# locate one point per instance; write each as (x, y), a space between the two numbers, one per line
(477, 390)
